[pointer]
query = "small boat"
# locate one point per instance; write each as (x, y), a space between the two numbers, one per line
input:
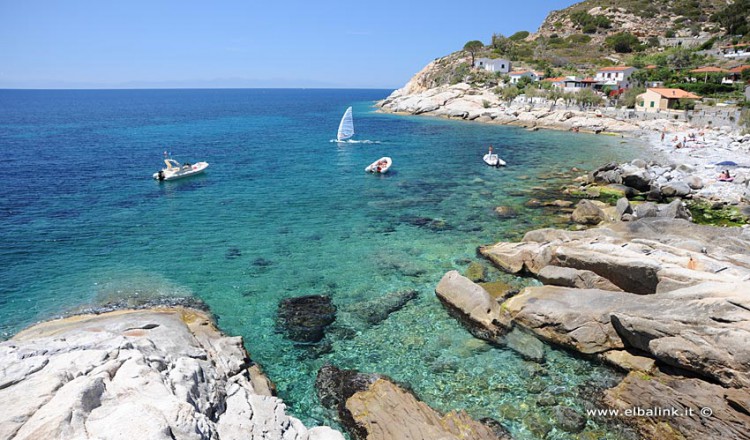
(176, 170)
(346, 126)
(379, 166)
(493, 160)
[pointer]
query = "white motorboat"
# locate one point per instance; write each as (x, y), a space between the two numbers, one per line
(493, 159)
(176, 170)
(380, 166)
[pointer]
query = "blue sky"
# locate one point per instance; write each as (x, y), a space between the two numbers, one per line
(192, 43)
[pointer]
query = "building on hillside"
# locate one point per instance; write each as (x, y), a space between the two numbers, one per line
(658, 99)
(574, 84)
(702, 73)
(492, 64)
(557, 82)
(735, 51)
(517, 75)
(735, 74)
(617, 77)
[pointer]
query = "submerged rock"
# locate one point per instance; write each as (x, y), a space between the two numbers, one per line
(305, 318)
(476, 272)
(378, 309)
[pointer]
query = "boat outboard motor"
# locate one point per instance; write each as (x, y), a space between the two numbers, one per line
(161, 174)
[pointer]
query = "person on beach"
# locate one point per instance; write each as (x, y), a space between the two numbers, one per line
(662, 136)
(725, 177)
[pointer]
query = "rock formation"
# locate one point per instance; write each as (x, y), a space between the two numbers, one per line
(373, 407)
(305, 318)
(148, 374)
(664, 297)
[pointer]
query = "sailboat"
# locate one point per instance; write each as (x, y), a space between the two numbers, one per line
(346, 126)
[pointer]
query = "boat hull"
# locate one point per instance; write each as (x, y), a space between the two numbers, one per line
(180, 173)
(493, 160)
(380, 166)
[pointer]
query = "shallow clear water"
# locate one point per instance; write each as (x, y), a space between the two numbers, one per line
(284, 212)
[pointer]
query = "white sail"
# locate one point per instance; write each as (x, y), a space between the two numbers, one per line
(346, 127)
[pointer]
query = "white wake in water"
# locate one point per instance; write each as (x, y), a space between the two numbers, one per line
(351, 141)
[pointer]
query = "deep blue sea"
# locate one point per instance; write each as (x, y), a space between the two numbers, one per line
(281, 212)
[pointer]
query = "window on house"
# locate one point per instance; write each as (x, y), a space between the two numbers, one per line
(652, 104)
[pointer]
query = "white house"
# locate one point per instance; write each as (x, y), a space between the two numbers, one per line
(517, 75)
(735, 51)
(617, 77)
(492, 65)
(574, 84)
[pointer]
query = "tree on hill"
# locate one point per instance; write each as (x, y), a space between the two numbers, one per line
(734, 17)
(518, 36)
(473, 47)
(624, 42)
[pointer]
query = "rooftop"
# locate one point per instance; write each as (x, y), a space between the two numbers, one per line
(614, 69)
(709, 69)
(673, 93)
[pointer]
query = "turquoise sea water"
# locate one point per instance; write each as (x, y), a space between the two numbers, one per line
(284, 212)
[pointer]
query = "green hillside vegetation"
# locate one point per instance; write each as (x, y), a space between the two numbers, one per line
(580, 39)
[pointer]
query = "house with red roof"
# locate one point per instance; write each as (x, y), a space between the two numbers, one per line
(656, 99)
(615, 77)
(735, 74)
(557, 82)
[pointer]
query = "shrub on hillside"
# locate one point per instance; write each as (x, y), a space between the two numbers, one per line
(624, 42)
(518, 36)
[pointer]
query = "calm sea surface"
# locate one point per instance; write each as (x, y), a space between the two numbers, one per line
(284, 212)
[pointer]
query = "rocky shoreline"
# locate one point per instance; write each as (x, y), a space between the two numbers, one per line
(162, 373)
(674, 142)
(661, 298)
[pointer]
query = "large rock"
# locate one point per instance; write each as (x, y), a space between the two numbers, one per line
(569, 277)
(646, 210)
(702, 328)
(628, 271)
(675, 189)
(623, 207)
(577, 319)
(675, 209)
(305, 318)
(471, 305)
(587, 213)
(637, 178)
(674, 407)
(149, 374)
(373, 407)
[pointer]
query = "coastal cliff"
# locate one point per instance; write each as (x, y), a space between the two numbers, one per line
(148, 374)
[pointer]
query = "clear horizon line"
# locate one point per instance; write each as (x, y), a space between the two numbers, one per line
(195, 88)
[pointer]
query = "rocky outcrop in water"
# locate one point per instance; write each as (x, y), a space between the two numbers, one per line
(305, 318)
(377, 310)
(148, 374)
(373, 407)
(664, 297)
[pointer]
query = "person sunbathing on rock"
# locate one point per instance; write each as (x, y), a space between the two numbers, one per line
(725, 177)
